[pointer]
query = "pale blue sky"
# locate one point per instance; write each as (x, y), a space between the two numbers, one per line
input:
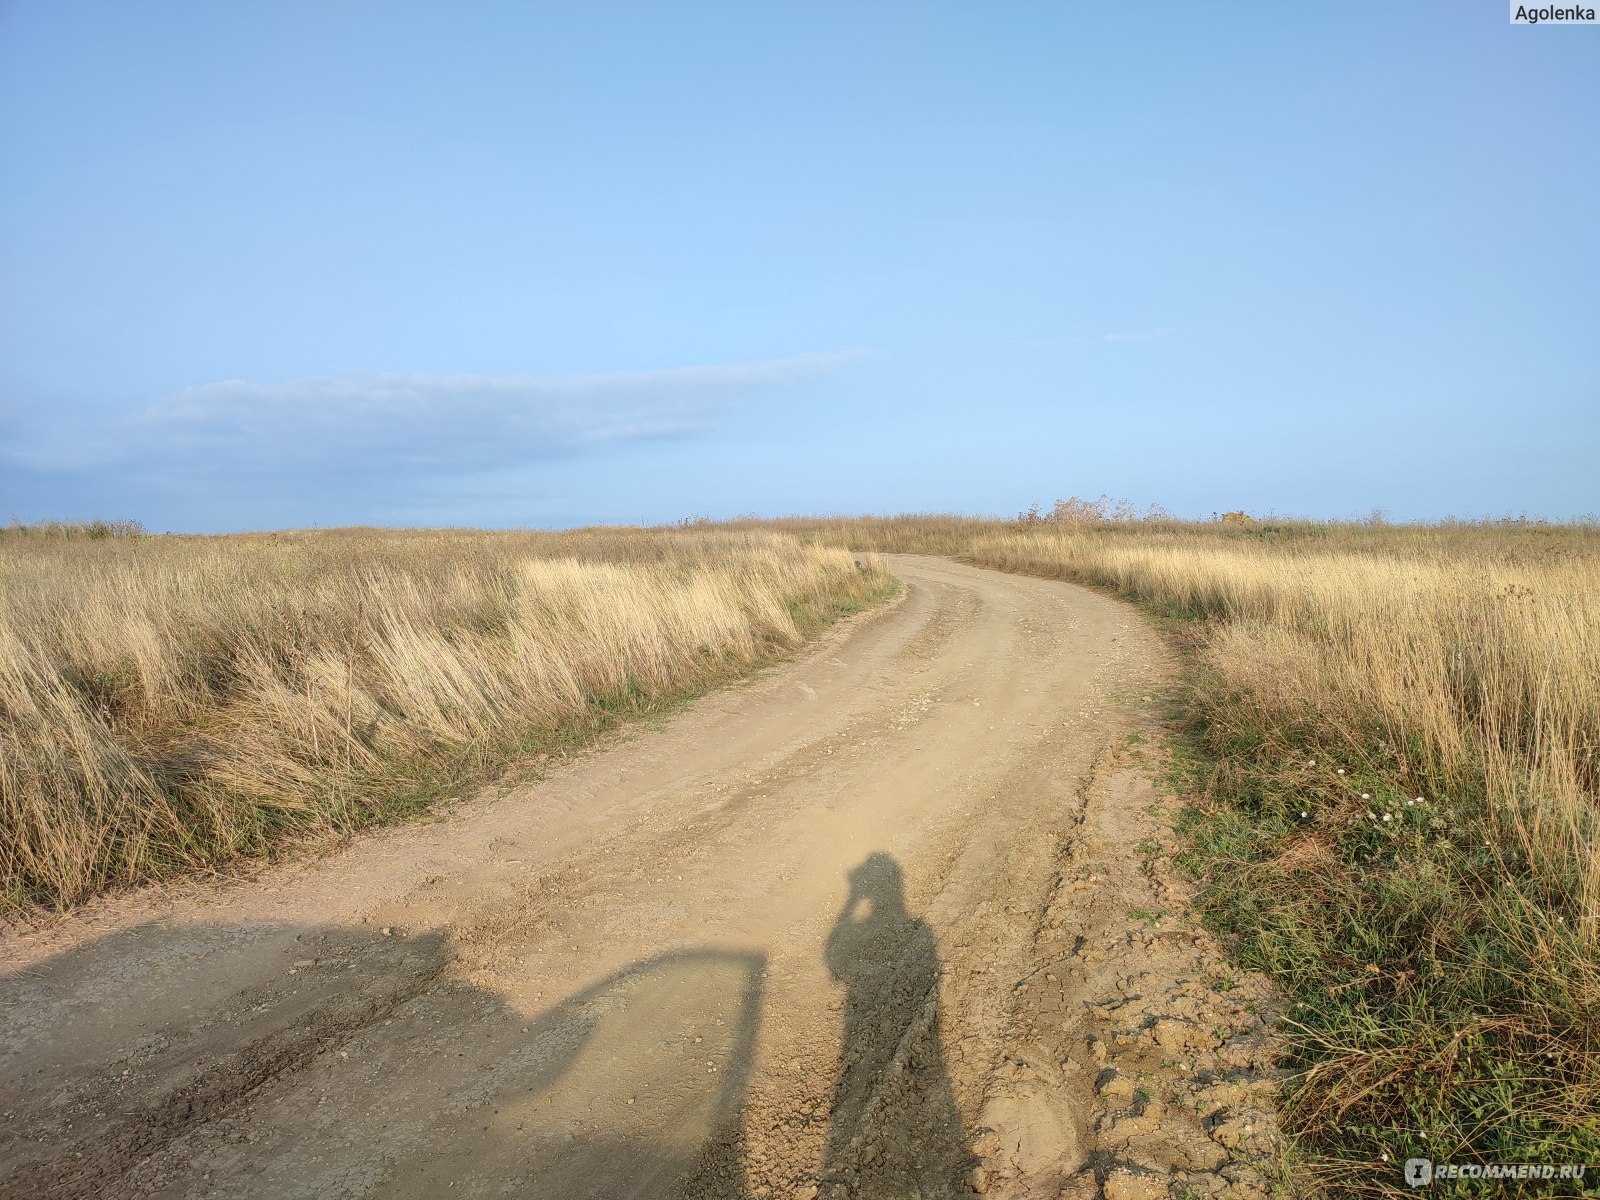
(277, 264)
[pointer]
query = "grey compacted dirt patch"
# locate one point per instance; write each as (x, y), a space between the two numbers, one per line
(893, 921)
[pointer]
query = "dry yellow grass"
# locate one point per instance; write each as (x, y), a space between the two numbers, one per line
(1394, 809)
(910, 533)
(171, 702)
(1471, 661)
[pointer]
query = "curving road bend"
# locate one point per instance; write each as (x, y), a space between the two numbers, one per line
(877, 924)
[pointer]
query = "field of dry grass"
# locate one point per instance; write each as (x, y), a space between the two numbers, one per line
(1449, 665)
(915, 533)
(169, 703)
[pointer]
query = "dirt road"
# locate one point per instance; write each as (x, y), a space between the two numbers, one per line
(894, 920)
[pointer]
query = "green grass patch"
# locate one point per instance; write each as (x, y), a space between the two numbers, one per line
(1441, 1003)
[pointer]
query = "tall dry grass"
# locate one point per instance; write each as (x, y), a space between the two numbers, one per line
(171, 702)
(1454, 673)
(1397, 814)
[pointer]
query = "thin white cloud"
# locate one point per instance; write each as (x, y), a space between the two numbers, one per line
(424, 424)
(1142, 335)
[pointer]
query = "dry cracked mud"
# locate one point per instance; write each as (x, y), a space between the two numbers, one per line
(895, 920)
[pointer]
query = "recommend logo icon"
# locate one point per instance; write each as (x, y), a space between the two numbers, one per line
(1419, 1172)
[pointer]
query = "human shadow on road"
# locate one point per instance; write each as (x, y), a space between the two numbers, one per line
(894, 1128)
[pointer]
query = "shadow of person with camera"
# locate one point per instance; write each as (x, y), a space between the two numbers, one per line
(894, 1128)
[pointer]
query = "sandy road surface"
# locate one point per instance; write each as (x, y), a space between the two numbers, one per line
(887, 922)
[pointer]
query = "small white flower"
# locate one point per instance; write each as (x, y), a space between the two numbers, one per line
(1409, 803)
(1313, 762)
(1559, 920)
(1385, 1157)
(1388, 816)
(1366, 795)
(1341, 770)
(1305, 814)
(1418, 800)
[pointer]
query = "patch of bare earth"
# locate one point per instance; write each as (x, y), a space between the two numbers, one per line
(1140, 1064)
